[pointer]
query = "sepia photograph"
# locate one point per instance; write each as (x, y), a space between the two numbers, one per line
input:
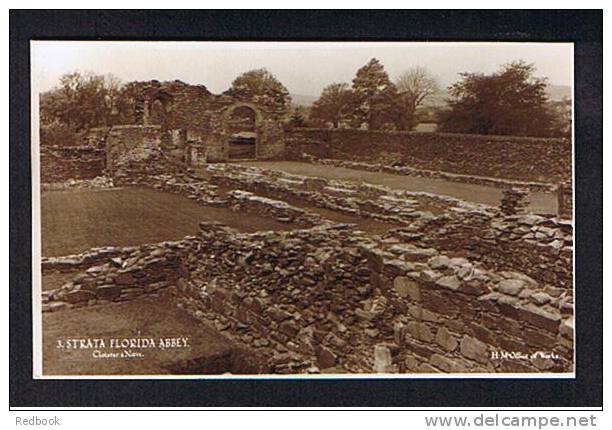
(302, 209)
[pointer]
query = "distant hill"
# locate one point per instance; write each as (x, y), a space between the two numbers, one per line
(558, 92)
(303, 100)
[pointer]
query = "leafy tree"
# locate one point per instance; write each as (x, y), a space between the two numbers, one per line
(413, 87)
(261, 85)
(81, 101)
(561, 112)
(297, 117)
(509, 102)
(334, 103)
(374, 95)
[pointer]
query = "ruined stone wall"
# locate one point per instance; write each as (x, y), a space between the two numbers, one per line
(131, 145)
(520, 158)
(203, 115)
(423, 298)
(329, 300)
(95, 137)
(113, 274)
(58, 164)
(539, 247)
(458, 317)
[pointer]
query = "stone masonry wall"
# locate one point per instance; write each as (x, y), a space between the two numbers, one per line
(330, 298)
(540, 247)
(520, 158)
(457, 317)
(131, 144)
(58, 164)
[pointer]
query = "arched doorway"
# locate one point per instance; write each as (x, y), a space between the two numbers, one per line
(156, 104)
(241, 124)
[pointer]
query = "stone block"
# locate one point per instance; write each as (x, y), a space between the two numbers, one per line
(290, 328)
(422, 314)
(446, 340)
(417, 348)
(57, 306)
(511, 287)
(566, 328)
(383, 362)
(447, 365)
(427, 368)
(450, 282)
(79, 296)
(474, 349)
(406, 287)
(399, 332)
(420, 331)
(539, 317)
(482, 333)
(325, 357)
(439, 262)
(108, 292)
(540, 298)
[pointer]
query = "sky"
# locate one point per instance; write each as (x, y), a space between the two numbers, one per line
(305, 68)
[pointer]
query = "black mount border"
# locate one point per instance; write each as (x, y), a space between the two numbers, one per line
(582, 27)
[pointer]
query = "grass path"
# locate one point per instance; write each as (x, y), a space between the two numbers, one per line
(539, 202)
(74, 221)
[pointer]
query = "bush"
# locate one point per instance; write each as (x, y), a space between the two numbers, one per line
(57, 134)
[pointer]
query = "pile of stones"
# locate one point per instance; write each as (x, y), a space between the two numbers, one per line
(97, 182)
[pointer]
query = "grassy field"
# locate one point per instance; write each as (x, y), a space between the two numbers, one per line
(74, 221)
(153, 317)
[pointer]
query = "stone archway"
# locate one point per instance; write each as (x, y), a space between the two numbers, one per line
(156, 104)
(242, 122)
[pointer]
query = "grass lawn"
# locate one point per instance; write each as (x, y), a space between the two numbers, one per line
(76, 220)
(153, 317)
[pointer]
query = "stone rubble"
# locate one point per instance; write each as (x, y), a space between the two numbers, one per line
(443, 293)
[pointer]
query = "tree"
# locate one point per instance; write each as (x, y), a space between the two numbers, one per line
(334, 102)
(297, 117)
(83, 100)
(561, 112)
(374, 95)
(261, 85)
(413, 87)
(509, 102)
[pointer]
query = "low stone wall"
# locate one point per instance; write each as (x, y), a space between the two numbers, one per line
(520, 158)
(468, 289)
(540, 247)
(245, 201)
(410, 171)
(457, 317)
(328, 299)
(364, 200)
(72, 184)
(61, 163)
(126, 273)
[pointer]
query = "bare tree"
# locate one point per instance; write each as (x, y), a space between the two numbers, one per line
(413, 87)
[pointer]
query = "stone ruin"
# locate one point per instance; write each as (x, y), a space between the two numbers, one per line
(468, 288)
(199, 127)
(452, 287)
